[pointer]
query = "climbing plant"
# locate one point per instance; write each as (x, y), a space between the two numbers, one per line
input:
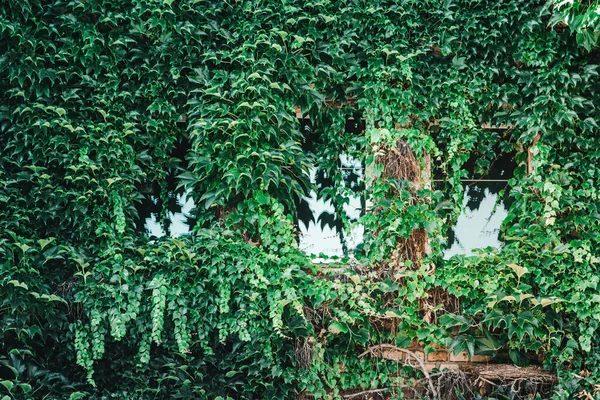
(97, 95)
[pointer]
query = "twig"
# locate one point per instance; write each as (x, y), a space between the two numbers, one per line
(364, 392)
(487, 381)
(584, 395)
(410, 353)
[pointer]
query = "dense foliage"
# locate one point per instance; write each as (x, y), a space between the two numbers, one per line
(97, 94)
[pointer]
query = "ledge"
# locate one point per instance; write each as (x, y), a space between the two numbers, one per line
(442, 359)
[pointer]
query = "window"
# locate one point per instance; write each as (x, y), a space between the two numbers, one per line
(485, 204)
(321, 229)
(178, 215)
(179, 203)
(479, 223)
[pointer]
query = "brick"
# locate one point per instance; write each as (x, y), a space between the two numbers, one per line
(437, 356)
(429, 366)
(481, 359)
(418, 353)
(449, 366)
(394, 355)
(438, 347)
(462, 356)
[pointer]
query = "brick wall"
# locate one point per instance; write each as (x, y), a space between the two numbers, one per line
(439, 358)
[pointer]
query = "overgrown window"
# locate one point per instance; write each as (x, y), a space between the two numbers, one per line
(485, 201)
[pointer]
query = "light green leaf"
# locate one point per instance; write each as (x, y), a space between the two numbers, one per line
(45, 242)
(7, 384)
(337, 327)
(24, 247)
(518, 270)
(16, 283)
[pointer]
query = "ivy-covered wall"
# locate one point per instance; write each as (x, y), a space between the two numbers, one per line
(96, 95)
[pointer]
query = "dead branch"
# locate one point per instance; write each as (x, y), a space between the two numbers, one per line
(366, 392)
(371, 350)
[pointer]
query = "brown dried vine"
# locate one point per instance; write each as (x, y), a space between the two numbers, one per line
(400, 164)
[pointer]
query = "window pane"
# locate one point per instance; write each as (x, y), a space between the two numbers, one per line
(178, 205)
(321, 230)
(178, 220)
(479, 223)
(321, 235)
(486, 173)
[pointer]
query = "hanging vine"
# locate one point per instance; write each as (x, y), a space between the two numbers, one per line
(97, 95)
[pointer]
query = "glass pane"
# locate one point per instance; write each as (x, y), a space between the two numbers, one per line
(178, 219)
(486, 173)
(178, 204)
(321, 230)
(479, 224)
(321, 234)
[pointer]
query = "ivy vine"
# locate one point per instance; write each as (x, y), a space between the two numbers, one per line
(97, 95)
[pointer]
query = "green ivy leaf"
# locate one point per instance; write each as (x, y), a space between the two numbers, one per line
(337, 327)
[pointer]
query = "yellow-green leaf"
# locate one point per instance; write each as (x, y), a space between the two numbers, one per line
(518, 270)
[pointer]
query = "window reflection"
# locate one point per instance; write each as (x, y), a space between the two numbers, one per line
(179, 221)
(322, 235)
(479, 223)
(321, 229)
(176, 203)
(485, 204)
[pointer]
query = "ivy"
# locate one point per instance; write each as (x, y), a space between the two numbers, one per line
(98, 96)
